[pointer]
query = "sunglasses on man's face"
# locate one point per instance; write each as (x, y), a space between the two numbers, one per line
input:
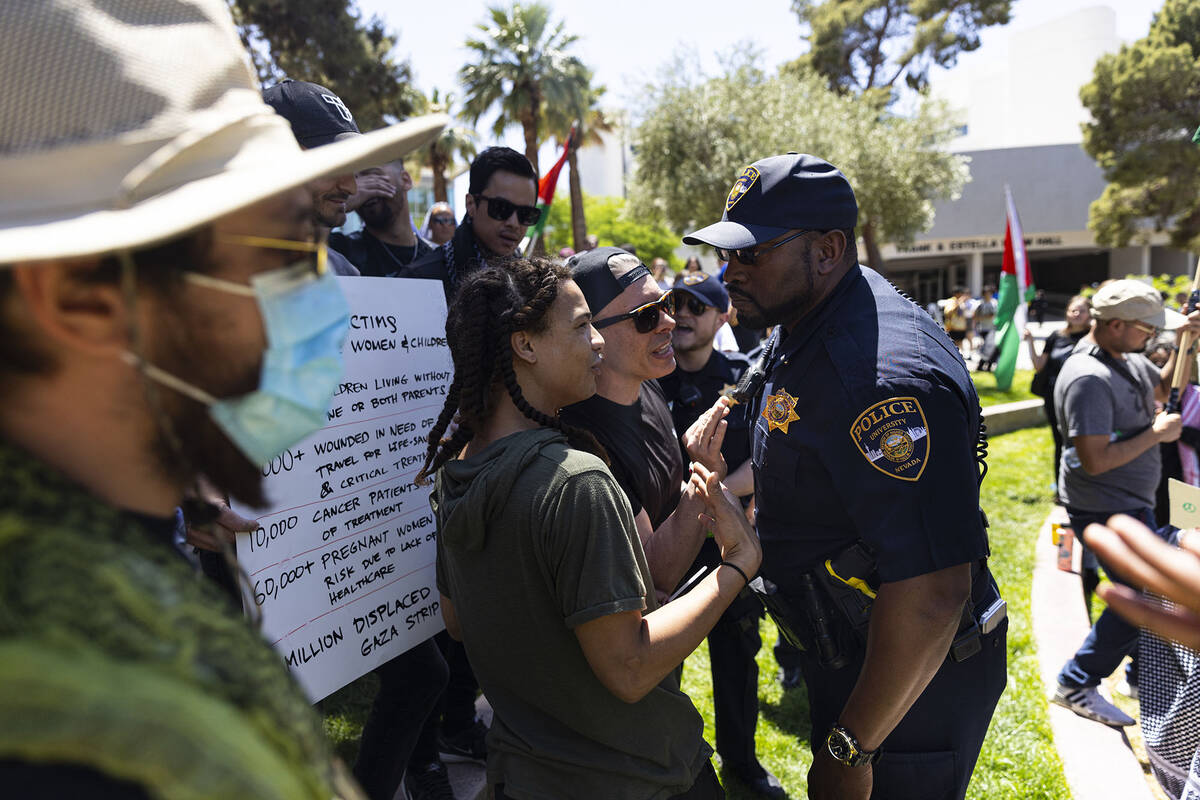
(645, 318)
(441, 220)
(1145, 327)
(500, 209)
(692, 304)
(746, 255)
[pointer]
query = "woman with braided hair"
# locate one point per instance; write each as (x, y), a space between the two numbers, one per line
(540, 568)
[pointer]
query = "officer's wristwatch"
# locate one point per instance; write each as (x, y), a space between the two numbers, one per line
(842, 745)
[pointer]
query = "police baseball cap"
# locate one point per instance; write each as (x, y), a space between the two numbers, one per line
(1129, 299)
(780, 194)
(594, 270)
(318, 116)
(706, 288)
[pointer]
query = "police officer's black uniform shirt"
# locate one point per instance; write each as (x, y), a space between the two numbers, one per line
(690, 394)
(642, 446)
(867, 427)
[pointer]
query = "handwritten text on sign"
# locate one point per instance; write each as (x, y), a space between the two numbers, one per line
(342, 562)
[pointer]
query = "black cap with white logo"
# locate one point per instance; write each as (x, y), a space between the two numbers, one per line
(781, 194)
(318, 116)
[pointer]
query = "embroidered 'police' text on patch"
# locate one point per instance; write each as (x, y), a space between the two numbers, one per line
(894, 437)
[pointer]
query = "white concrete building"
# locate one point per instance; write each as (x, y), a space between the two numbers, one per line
(1022, 118)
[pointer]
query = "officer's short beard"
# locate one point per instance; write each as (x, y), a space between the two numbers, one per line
(789, 309)
(202, 446)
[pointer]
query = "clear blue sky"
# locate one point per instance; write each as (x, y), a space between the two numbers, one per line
(626, 42)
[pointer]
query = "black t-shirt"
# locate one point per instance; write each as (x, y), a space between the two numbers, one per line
(690, 394)
(374, 258)
(642, 445)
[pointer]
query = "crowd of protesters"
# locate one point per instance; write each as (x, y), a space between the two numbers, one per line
(619, 468)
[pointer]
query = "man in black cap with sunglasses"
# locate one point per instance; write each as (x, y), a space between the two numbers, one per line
(867, 490)
(629, 414)
(501, 205)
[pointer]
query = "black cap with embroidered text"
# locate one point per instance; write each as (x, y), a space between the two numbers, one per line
(318, 116)
(780, 194)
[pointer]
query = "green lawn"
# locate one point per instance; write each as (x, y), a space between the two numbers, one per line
(1018, 759)
(989, 395)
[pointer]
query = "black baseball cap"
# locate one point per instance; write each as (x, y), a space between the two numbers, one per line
(708, 289)
(780, 194)
(318, 116)
(593, 272)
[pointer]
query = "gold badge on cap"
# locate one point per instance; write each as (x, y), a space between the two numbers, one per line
(780, 411)
(894, 437)
(741, 186)
(692, 278)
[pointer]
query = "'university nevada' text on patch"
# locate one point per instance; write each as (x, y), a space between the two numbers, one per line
(894, 437)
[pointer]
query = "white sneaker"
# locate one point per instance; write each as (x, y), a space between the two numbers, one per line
(1087, 702)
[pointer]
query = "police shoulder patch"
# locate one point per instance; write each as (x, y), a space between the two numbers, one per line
(741, 186)
(894, 437)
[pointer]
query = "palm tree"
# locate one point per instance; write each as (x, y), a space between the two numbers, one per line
(589, 122)
(455, 141)
(522, 65)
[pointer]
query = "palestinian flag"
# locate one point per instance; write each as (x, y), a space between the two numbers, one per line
(546, 188)
(1016, 289)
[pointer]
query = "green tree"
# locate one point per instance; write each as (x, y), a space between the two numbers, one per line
(859, 45)
(522, 66)
(613, 224)
(698, 134)
(1145, 103)
(454, 142)
(590, 122)
(326, 42)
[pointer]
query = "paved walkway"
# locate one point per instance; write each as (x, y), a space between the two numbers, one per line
(1097, 759)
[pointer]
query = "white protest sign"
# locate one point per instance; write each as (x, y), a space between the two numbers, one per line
(1185, 504)
(343, 561)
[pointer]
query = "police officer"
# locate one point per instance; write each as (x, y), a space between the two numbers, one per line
(702, 374)
(864, 455)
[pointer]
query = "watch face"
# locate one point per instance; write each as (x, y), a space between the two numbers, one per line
(839, 746)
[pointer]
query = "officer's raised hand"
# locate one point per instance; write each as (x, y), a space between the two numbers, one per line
(704, 437)
(736, 539)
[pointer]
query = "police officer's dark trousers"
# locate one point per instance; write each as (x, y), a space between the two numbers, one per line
(732, 645)
(932, 752)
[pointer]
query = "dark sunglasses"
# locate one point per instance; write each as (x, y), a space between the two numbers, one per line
(442, 220)
(746, 255)
(500, 209)
(645, 318)
(692, 304)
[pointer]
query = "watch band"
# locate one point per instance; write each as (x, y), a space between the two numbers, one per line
(843, 746)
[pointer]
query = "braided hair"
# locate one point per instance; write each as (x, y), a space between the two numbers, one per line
(490, 305)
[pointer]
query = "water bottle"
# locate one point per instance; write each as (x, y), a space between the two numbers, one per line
(1066, 541)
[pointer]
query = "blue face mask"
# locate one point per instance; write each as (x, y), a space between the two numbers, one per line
(306, 320)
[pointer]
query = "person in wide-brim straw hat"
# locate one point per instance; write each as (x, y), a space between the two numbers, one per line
(165, 313)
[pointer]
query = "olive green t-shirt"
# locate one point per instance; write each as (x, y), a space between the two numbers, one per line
(536, 538)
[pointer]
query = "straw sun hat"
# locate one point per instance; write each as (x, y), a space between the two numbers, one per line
(128, 122)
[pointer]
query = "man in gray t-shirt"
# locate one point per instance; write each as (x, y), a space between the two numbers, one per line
(1105, 400)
